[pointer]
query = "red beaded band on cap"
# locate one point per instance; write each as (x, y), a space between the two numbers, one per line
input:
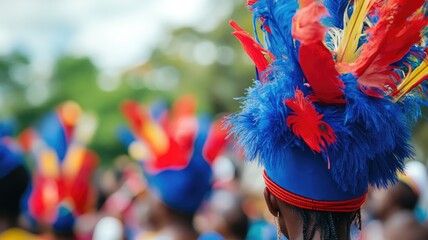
(351, 205)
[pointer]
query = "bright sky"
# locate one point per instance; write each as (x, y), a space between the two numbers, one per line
(114, 33)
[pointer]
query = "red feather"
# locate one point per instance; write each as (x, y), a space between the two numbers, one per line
(143, 126)
(315, 59)
(132, 111)
(44, 198)
(216, 141)
(179, 127)
(251, 2)
(177, 157)
(254, 50)
(79, 188)
(306, 123)
(398, 29)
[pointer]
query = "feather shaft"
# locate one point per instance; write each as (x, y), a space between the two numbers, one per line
(416, 77)
(348, 47)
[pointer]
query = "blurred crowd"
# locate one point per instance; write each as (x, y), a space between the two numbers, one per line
(181, 178)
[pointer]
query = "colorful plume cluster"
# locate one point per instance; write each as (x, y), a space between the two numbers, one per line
(176, 147)
(335, 77)
(64, 166)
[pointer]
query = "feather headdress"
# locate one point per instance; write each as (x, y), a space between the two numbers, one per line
(64, 167)
(336, 91)
(176, 148)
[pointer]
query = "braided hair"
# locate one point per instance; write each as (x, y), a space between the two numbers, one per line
(327, 223)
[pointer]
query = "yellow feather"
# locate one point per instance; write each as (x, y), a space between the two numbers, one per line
(348, 49)
(156, 136)
(73, 161)
(49, 166)
(411, 79)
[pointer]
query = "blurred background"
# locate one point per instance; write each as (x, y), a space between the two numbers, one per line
(94, 54)
(98, 53)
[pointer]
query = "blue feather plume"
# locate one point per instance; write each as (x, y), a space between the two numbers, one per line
(336, 10)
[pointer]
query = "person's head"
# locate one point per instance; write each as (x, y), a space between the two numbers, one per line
(331, 108)
(388, 201)
(108, 228)
(307, 202)
(404, 195)
(310, 224)
(14, 182)
(12, 188)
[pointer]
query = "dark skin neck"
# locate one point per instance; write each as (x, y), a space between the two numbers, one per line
(291, 223)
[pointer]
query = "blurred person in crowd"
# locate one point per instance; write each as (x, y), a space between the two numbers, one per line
(109, 228)
(326, 117)
(62, 189)
(176, 150)
(14, 183)
(395, 206)
(223, 214)
(123, 203)
(106, 182)
(117, 187)
(254, 205)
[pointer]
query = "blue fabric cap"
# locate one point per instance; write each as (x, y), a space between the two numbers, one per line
(306, 174)
(185, 189)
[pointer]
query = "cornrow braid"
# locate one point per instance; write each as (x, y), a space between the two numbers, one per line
(326, 223)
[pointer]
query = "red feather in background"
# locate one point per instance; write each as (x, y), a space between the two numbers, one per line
(216, 141)
(251, 2)
(254, 50)
(77, 186)
(48, 191)
(315, 59)
(398, 29)
(45, 196)
(133, 113)
(180, 126)
(170, 140)
(306, 123)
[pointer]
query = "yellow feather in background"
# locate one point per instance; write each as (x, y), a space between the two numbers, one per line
(413, 79)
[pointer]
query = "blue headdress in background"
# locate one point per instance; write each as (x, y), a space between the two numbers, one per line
(177, 148)
(62, 187)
